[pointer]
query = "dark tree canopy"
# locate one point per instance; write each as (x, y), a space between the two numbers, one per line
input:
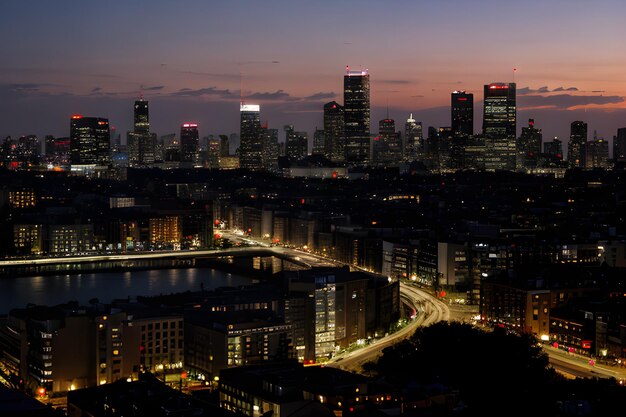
(494, 372)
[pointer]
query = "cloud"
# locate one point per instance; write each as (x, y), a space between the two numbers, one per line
(565, 101)
(543, 90)
(155, 88)
(565, 89)
(209, 91)
(393, 81)
(28, 87)
(276, 95)
(96, 89)
(321, 96)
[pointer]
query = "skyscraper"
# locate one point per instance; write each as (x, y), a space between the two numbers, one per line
(576, 145)
(189, 141)
(554, 149)
(319, 143)
(356, 102)
(462, 109)
(89, 140)
(597, 153)
(529, 146)
(251, 143)
(296, 144)
(619, 146)
(271, 148)
(141, 143)
(387, 146)
(142, 117)
(499, 124)
(413, 139)
(334, 140)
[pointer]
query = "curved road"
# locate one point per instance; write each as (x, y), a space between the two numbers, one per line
(428, 309)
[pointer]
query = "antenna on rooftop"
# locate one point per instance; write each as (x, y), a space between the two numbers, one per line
(241, 87)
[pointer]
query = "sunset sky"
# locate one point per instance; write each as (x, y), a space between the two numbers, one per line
(91, 57)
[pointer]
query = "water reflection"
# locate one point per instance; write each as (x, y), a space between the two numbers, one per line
(106, 286)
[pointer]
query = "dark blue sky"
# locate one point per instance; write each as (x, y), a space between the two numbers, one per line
(60, 58)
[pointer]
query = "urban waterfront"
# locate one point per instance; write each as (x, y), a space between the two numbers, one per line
(17, 292)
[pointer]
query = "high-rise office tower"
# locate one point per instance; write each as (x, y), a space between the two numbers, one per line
(387, 147)
(499, 124)
(462, 113)
(413, 139)
(141, 143)
(251, 143)
(189, 141)
(554, 149)
(334, 139)
(597, 153)
(142, 117)
(319, 143)
(210, 153)
(431, 149)
(271, 149)
(296, 144)
(576, 145)
(619, 146)
(89, 141)
(529, 146)
(356, 102)
(224, 145)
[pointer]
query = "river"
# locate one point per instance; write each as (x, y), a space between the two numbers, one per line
(51, 290)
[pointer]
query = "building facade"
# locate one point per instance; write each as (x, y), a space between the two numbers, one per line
(499, 126)
(356, 101)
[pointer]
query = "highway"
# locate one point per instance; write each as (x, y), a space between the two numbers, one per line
(428, 310)
(573, 365)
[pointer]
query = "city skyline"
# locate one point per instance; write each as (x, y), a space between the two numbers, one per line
(50, 73)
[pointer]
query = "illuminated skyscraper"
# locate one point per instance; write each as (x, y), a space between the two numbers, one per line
(89, 141)
(462, 109)
(499, 124)
(141, 143)
(334, 139)
(319, 143)
(271, 149)
(597, 153)
(413, 139)
(189, 141)
(296, 144)
(142, 117)
(387, 146)
(576, 145)
(529, 146)
(554, 149)
(619, 146)
(356, 102)
(251, 142)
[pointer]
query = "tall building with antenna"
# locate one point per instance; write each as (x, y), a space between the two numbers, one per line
(334, 138)
(499, 126)
(141, 143)
(356, 102)
(189, 145)
(462, 113)
(576, 144)
(251, 141)
(413, 139)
